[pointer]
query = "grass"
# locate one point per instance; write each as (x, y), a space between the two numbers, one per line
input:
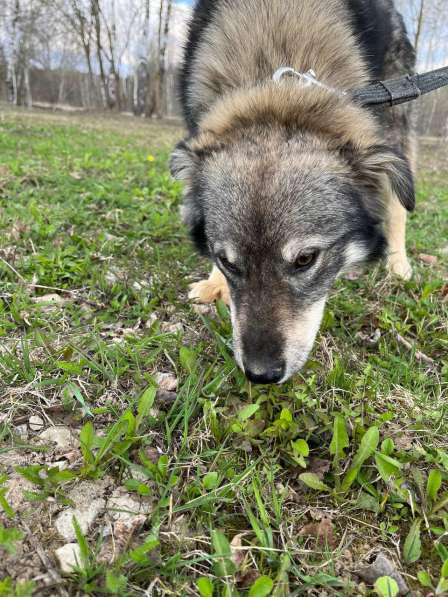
(251, 491)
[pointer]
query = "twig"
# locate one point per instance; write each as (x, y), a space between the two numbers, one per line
(13, 270)
(51, 288)
(418, 355)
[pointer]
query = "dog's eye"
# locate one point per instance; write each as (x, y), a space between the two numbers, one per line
(226, 265)
(306, 260)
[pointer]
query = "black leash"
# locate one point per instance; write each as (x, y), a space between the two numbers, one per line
(398, 91)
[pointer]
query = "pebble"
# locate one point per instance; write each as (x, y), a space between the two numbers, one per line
(35, 423)
(63, 437)
(68, 556)
(166, 381)
(88, 501)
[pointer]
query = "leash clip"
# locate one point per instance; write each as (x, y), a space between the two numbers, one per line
(307, 79)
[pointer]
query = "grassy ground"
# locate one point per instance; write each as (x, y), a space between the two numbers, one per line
(226, 489)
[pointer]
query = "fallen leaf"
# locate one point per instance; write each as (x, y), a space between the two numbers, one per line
(49, 299)
(237, 552)
(319, 467)
(323, 531)
(152, 454)
(428, 259)
(18, 230)
(246, 579)
(171, 328)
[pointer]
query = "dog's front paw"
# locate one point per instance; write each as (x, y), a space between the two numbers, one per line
(211, 290)
(398, 265)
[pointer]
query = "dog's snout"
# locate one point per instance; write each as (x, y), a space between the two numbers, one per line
(271, 374)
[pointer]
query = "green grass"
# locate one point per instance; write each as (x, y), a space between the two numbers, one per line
(88, 212)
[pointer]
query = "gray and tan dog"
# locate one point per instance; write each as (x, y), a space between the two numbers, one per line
(289, 184)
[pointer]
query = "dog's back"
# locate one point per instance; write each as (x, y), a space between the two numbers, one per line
(239, 43)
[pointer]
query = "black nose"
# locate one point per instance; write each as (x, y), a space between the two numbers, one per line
(265, 375)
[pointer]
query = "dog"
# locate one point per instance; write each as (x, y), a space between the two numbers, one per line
(288, 182)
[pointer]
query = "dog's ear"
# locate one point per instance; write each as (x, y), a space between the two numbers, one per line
(184, 166)
(193, 217)
(380, 167)
(183, 162)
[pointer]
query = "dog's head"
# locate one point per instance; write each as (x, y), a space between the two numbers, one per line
(282, 213)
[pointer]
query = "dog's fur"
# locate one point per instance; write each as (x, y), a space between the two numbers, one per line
(280, 171)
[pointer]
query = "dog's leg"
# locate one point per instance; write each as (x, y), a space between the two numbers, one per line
(397, 262)
(211, 290)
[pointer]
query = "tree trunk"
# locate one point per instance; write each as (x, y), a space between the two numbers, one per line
(27, 87)
(95, 8)
(91, 84)
(12, 85)
(162, 63)
(153, 103)
(61, 90)
(114, 79)
(141, 72)
(419, 29)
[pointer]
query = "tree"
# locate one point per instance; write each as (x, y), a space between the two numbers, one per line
(156, 101)
(141, 70)
(80, 20)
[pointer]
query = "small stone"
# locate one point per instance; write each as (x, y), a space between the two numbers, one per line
(15, 494)
(35, 423)
(382, 566)
(166, 381)
(165, 399)
(69, 557)
(22, 430)
(60, 464)
(369, 339)
(111, 278)
(124, 507)
(208, 310)
(88, 501)
(85, 518)
(61, 436)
